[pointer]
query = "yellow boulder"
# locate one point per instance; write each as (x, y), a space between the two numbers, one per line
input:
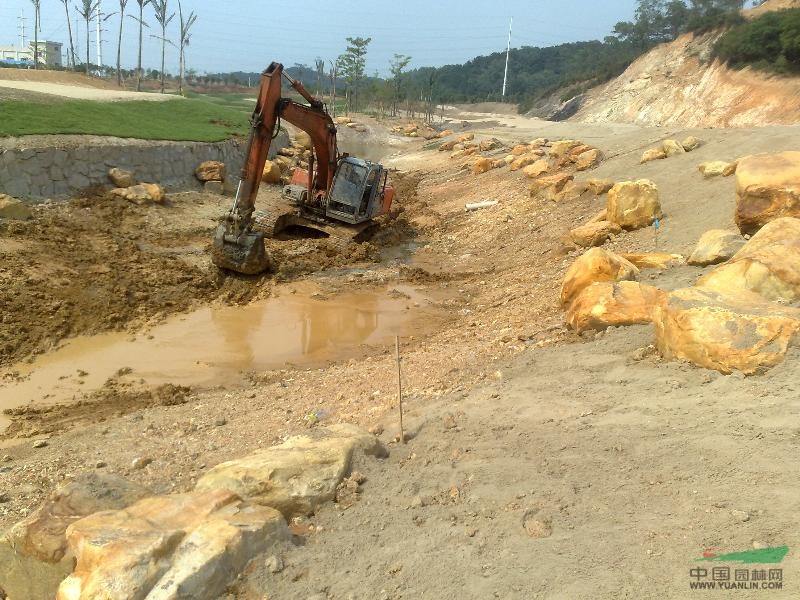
(768, 265)
(727, 333)
(634, 204)
(767, 188)
(272, 172)
(612, 304)
(716, 246)
(594, 265)
(594, 234)
(482, 165)
(536, 169)
(653, 154)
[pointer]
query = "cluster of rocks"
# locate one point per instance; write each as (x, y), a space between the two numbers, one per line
(348, 122)
(547, 163)
(630, 205)
(127, 188)
(670, 148)
(742, 315)
(101, 536)
(296, 155)
(424, 131)
(211, 173)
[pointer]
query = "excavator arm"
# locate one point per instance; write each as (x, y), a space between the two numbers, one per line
(236, 247)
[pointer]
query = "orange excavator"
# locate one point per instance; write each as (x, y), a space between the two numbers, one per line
(337, 191)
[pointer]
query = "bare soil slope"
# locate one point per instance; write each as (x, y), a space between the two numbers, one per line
(679, 84)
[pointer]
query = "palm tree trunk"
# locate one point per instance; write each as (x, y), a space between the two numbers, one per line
(163, 52)
(139, 62)
(87, 46)
(69, 30)
(119, 46)
(180, 83)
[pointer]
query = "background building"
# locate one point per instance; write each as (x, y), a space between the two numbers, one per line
(49, 54)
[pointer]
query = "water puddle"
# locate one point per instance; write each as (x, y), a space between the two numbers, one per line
(214, 345)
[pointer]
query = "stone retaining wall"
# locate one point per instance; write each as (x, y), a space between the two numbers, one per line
(38, 173)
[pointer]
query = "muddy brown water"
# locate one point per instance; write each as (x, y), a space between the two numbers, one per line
(216, 344)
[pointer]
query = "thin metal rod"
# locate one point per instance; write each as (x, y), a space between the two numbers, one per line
(399, 386)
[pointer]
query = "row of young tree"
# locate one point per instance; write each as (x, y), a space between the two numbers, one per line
(89, 10)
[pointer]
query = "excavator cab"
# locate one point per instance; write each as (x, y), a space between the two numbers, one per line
(358, 191)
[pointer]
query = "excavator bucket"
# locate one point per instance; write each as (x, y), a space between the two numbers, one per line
(245, 254)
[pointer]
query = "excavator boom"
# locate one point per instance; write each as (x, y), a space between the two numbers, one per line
(236, 246)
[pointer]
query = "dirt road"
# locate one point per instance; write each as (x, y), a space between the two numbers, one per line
(544, 464)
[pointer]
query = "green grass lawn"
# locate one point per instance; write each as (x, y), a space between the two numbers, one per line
(189, 119)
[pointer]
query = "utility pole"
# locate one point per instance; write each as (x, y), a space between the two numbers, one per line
(21, 27)
(99, 38)
(508, 51)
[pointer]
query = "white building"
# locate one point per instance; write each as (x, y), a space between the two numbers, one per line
(49, 54)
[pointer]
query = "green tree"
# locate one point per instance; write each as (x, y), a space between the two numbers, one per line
(396, 68)
(161, 9)
(185, 36)
(87, 9)
(352, 65)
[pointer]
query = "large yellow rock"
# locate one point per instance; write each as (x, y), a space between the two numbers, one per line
(716, 246)
(691, 143)
(594, 234)
(562, 147)
(715, 168)
(595, 265)
(174, 547)
(209, 170)
(612, 304)
(588, 159)
(523, 161)
(141, 193)
(634, 204)
(466, 137)
(540, 167)
(767, 188)
(552, 183)
(271, 173)
(652, 260)
(34, 556)
(727, 333)
(672, 147)
(11, 208)
(296, 476)
(769, 264)
(598, 187)
(519, 150)
(302, 140)
(482, 165)
(447, 146)
(122, 178)
(653, 154)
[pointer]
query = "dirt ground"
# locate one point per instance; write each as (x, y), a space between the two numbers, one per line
(28, 84)
(543, 464)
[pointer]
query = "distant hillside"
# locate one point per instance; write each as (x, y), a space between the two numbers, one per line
(681, 84)
(687, 83)
(534, 73)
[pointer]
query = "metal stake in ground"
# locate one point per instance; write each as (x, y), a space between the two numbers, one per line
(399, 386)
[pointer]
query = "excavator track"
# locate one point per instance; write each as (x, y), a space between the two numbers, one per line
(280, 219)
